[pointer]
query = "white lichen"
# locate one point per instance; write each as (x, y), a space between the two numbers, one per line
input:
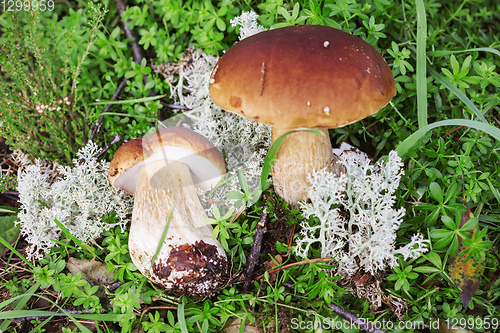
(248, 24)
(79, 198)
(357, 222)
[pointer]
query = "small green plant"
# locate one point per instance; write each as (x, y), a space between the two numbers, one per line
(17, 288)
(448, 238)
(402, 277)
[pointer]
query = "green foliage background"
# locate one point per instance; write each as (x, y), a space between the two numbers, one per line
(445, 59)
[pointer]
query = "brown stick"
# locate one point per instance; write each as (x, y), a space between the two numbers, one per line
(354, 320)
(453, 130)
(129, 33)
(115, 140)
(303, 262)
(253, 258)
(173, 106)
(95, 128)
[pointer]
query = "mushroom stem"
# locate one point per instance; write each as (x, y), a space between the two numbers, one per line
(300, 154)
(189, 261)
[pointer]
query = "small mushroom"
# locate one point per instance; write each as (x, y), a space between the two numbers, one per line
(302, 77)
(161, 170)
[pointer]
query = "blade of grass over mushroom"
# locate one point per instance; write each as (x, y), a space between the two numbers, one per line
(273, 151)
(457, 93)
(421, 65)
(129, 101)
(162, 238)
(68, 234)
(406, 145)
(440, 53)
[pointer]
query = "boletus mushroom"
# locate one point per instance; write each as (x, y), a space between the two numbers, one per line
(301, 77)
(161, 170)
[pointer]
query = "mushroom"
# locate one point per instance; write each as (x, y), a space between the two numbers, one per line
(161, 170)
(302, 77)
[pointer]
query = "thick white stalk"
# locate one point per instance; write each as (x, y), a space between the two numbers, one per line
(189, 261)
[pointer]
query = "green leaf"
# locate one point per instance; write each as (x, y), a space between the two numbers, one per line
(436, 192)
(221, 25)
(9, 210)
(470, 224)
(448, 222)
(426, 269)
(457, 93)
(8, 230)
(130, 101)
(435, 259)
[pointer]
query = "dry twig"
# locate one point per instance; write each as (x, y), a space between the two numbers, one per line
(253, 258)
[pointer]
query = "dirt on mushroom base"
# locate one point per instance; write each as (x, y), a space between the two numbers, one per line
(193, 270)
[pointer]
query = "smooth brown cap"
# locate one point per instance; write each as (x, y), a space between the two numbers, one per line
(302, 76)
(180, 144)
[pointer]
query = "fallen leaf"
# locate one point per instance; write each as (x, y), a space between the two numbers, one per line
(360, 280)
(272, 263)
(94, 272)
(466, 274)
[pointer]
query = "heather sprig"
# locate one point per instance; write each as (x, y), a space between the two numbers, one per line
(40, 102)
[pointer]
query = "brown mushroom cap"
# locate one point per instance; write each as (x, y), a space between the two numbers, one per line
(302, 77)
(205, 161)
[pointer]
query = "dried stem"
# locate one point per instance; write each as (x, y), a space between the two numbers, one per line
(253, 258)
(303, 262)
(129, 33)
(115, 140)
(95, 128)
(354, 320)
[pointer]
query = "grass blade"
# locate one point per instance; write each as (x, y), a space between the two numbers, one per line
(410, 141)
(68, 235)
(457, 93)
(421, 71)
(23, 300)
(130, 101)
(181, 317)
(440, 53)
(7, 245)
(9, 210)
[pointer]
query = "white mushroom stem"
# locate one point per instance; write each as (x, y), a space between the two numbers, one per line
(188, 254)
(300, 154)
